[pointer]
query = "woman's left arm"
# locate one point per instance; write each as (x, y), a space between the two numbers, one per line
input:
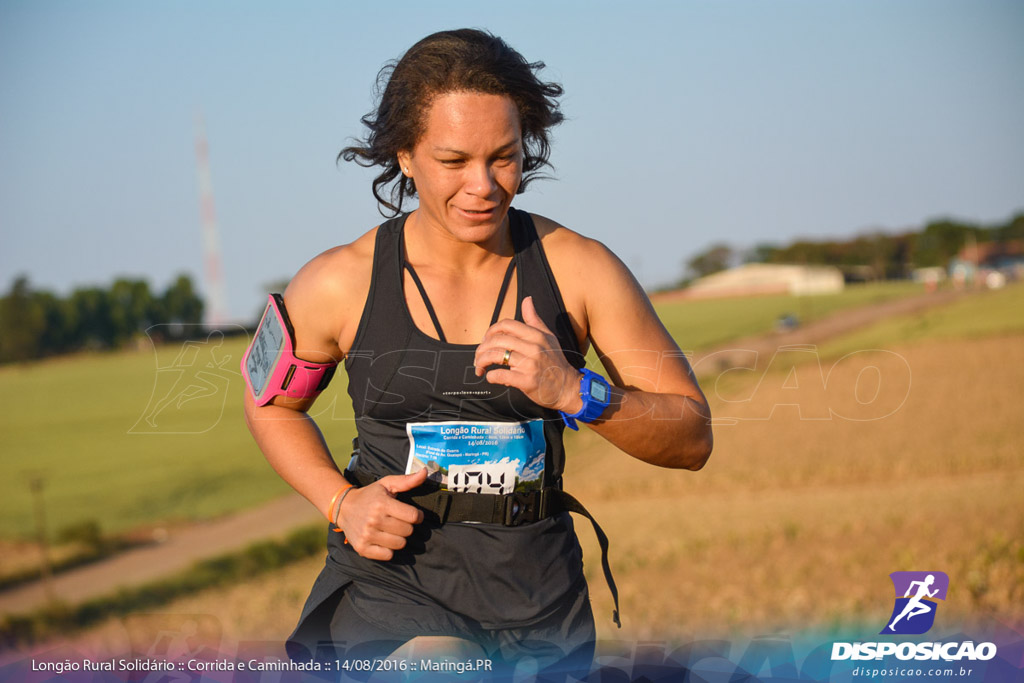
(657, 413)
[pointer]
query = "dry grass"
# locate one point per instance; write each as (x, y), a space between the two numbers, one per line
(794, 523)
(798, 522)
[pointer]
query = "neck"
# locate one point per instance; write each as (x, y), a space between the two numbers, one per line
(426, 242)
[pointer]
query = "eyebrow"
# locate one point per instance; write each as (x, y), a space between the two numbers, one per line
(452, 150)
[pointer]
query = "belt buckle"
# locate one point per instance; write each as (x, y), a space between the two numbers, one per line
(521, 508)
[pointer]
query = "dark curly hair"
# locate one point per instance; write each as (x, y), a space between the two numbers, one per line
(451, 61)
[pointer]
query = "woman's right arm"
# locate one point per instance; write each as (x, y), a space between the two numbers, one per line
(324, 302)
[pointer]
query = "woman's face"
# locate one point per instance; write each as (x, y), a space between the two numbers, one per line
(467, 165)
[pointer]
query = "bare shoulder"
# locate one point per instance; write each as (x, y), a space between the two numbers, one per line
(325, 299)
(621, 324)
(571, 250)
(555, 235)
(586, 270)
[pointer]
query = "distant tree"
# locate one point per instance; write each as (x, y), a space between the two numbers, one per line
(93, 326)
(760, 253)
(715, 258)
(57, 335)
(1013, 229)
(880, 252)
(180, 303)
(22, 322)
(940, 241)
(803, 252)
(34, 324)
(875, 254)
(132, 309)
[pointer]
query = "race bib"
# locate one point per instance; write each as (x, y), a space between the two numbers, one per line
(479, 457)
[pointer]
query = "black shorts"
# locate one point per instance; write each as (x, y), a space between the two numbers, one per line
(561, 641)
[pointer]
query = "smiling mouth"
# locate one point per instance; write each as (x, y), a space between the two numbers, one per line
(478, 212)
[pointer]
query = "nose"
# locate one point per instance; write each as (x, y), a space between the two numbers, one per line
(480, 180)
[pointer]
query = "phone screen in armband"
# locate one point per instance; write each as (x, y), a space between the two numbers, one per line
(270, 366)
(266, 348)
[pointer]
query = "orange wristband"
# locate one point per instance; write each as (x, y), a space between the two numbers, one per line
(332, 516)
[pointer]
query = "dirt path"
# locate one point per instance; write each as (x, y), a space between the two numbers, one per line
(190, 544)
(182, 548)
(738, 352)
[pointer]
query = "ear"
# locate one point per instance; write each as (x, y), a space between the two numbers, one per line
(404, 157)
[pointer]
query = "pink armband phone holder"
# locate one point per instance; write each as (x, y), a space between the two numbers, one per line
(270, 366)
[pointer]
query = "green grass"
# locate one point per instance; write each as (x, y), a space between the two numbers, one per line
(79, 423)
(698, 325)
(980, 314)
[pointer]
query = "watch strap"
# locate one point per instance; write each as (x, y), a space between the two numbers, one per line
(592, 407)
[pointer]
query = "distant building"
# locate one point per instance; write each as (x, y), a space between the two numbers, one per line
(992, 254)
(978, 263)
(767, 278)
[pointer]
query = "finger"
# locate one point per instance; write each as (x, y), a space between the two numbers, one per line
(403, 512)
(527, 358)
(508, 378)
(374, 552)
(396, 483)
(386, 540)
(396, 527)
(386, 531)
(530, 316)
(496, 356)
(506, 340)
(519, 330)
(498, 343)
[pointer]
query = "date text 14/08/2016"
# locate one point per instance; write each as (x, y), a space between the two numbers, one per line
(459, 667)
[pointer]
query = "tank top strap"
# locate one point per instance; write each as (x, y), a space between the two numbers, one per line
(430, 307)
(426, 301)
(537, 280)
(504, 290)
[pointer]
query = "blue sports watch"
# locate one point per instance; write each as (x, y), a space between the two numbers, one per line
(596, 395)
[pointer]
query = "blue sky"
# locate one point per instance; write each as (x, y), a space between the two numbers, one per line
(689, 123)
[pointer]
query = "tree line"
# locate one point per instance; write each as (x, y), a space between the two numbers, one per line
(874, 255)
(36, 323)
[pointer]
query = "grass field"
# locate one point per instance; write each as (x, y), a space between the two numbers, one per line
(139, 438)
(795, 523)
(94, 428)
(985, 314)
(700, 324)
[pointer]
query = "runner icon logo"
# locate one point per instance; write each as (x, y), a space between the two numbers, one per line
(917, 594)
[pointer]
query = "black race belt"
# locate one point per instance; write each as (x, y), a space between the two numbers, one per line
(513, 509)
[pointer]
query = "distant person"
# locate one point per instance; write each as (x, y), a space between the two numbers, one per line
(916, 604)
(463, 326)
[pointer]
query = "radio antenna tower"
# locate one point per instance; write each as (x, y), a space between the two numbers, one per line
(216, 308)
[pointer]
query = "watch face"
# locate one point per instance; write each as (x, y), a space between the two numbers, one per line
(265, 350)
(599, 391)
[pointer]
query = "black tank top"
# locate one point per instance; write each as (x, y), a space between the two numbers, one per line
(479, 574)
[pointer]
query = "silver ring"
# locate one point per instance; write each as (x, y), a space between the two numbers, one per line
(507, 356)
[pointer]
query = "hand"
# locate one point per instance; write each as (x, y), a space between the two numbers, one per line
(375, 523)
(536, 365)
